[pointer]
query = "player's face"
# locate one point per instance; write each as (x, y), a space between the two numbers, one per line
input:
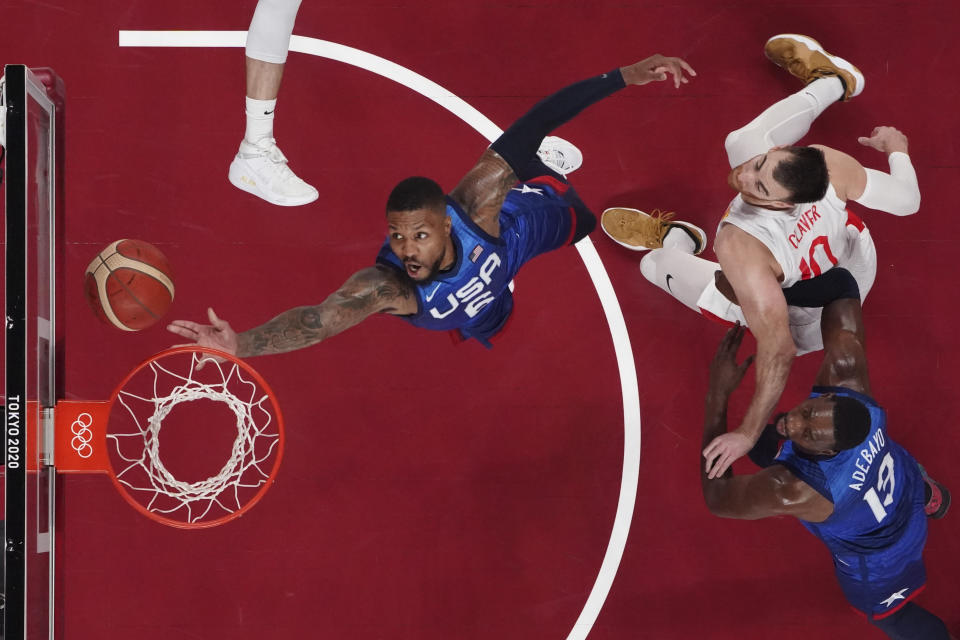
(809, 425)
(754, 180)
(421, 239)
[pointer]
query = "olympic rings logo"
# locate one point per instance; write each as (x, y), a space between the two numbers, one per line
(82, 435)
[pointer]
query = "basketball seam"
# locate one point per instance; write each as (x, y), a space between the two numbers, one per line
(105, 305)
(148, 268)
(101, 280)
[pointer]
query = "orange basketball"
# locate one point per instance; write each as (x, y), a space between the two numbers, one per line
(129, 285)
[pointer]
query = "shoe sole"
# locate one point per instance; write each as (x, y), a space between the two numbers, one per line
(633, 247)
(572, 149)
(944, 502)
(241, 180)
(836, 61)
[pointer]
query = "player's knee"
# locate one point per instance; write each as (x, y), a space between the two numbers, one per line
(743, 144)
(730, 142)
(648, 266)
(585, 224)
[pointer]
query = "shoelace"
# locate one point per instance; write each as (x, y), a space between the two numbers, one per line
(276, 156)
(649, 231)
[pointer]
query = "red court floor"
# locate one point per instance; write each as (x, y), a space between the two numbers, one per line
(431, 491)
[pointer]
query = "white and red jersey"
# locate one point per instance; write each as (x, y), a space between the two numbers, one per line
(808, 239)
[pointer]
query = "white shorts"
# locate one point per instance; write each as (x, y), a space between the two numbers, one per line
(804, 321)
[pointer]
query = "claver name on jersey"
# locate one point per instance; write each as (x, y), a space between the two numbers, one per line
(807, 219)
(474, 294)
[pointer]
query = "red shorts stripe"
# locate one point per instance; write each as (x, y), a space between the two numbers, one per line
(715, 318)
(900, 605)
(573, 226)
(559, 186)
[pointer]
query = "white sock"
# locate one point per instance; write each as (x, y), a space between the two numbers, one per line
(679, 239)
(259, 119)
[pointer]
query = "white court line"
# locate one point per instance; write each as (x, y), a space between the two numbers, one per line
(588, 253)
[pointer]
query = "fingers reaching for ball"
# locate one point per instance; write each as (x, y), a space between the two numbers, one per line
(216, 335)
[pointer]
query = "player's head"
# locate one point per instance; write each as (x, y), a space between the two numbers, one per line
(782, 177)
(825, 425)
(419, 227)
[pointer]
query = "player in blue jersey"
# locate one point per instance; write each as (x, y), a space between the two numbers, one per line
(839, 472)
(448, 259)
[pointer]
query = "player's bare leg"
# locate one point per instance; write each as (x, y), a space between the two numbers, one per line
(260, 167)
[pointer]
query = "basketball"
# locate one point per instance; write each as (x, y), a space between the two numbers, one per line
(129, 285)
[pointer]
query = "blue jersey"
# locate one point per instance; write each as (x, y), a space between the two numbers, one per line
(473, 297)
(878, 527)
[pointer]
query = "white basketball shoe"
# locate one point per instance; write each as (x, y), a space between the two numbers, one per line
(560, 155)
(261, 169)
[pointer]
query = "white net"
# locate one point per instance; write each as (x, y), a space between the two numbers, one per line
(151, 397)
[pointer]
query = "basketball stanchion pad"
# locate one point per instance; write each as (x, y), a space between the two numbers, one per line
(192, 437)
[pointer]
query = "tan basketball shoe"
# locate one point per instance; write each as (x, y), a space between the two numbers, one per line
(806, 59)
(639, 231)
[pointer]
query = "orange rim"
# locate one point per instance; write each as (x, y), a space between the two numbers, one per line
(206, 524)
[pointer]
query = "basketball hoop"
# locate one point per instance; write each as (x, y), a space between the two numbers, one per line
(128, 437)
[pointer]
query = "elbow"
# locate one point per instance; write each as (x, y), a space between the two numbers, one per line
(712, 497)
(712, 505)
(907, 205)
(912, 205)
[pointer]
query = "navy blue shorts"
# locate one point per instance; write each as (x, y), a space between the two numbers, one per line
(878, 584)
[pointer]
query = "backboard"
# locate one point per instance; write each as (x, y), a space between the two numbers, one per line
(33, 346)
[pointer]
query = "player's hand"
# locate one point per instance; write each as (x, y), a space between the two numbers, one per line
(885, 139)
(725, 373)
(216, 335)
(655, 69)
(724, 450)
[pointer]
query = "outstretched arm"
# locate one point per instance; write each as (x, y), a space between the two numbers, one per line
(482, 190)
(750, 268)
(773, 491)
(373, 290)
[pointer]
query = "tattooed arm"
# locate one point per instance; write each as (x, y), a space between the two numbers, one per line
(483, 189)
(373, 290)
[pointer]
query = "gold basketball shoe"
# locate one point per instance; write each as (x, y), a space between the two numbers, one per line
(806, 59)
(640, 231)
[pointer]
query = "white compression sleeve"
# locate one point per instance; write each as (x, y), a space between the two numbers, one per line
(681, 274)
(896, 192)
(270, 29)
(784, 122)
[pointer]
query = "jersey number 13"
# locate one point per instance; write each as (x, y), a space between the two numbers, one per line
(885, 484)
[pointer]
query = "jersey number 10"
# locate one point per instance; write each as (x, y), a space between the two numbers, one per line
(813, 269)
(885, 482)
